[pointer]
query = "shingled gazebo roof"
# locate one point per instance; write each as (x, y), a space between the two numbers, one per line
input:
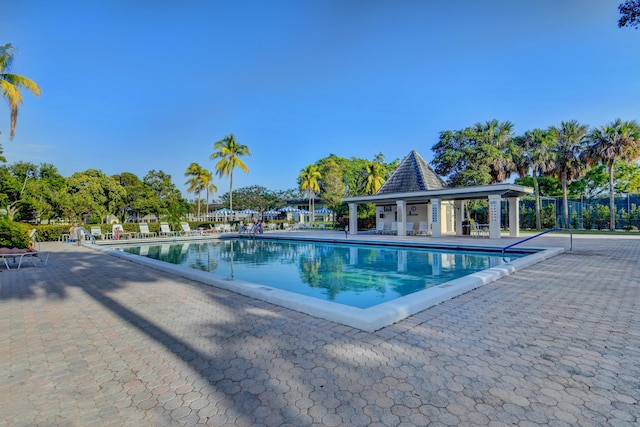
(413, 174)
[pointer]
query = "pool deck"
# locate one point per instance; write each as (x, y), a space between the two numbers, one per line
(92, 339)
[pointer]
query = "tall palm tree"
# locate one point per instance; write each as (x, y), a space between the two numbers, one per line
(493, 139)
(229, 152)
(375, 177)
(195, 181)
(308, 179)
(10, 84)
(530, 152)
(616, 141)
(567, 161)
(208, 185)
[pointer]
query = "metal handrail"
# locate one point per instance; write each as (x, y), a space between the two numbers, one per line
(540, 234)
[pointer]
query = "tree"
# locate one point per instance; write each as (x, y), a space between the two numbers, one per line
(630, 14)
(91, 193)
(165, 197)
(196, 181)
(208, 185)
(138, 200)
(10, 84)
(477, 155)
(567, 156)
(229, 152)
(308, 180)
(332, 184)
(530, 152)
(616, 141)
(375, 177)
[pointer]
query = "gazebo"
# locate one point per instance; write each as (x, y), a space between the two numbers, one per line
(415, 193)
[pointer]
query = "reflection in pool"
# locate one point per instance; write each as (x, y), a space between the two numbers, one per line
(356, 275)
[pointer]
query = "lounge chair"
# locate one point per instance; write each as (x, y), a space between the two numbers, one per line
(166, 231)
(144, 231)
(37, 258)
(118, 232)
(394, 228)
(380, 227)
(423, 229)
(187, 231)
(96, 231)
(410, 231)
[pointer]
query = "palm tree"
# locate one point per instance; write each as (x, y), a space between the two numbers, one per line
(616, 141)
(375, 177)
(308, 179)
(530, 152)
(208, 185)
(195, 181)
(229, 153)
(10, 84)
(493, 139)
(567, 161)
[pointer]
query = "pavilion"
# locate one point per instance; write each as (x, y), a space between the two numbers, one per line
(415, 193)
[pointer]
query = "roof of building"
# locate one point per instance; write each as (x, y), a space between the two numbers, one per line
(413, 174)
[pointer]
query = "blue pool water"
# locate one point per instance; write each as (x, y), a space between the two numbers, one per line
(359, 276)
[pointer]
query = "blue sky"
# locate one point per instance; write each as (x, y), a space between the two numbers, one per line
(131, 86)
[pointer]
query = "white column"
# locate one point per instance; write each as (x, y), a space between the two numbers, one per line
(514, 216)
(402, 213)
(353, 218)
(494, 216)
(436, 218)
(459, 216)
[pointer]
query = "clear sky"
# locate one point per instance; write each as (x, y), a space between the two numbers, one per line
(131, 86)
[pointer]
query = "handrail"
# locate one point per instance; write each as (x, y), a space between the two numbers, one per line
(540, 234)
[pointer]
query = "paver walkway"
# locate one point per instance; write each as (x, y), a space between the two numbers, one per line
(95, 340)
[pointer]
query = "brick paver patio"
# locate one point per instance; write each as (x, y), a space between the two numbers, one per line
(95, 340)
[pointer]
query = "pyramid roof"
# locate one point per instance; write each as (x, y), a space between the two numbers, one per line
(413, 174)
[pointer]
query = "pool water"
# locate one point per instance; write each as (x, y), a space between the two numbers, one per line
(359, 276)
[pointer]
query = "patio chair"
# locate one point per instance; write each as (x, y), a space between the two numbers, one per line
(17, 257)
(166, 231)
(423, 229)
(187, 231)
(96, 231)
(394, 228)
(479, 230)
(144, 231)
(118, 232)
(380, 227)
(410, 231)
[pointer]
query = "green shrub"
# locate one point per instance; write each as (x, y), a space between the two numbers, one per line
(13, 234)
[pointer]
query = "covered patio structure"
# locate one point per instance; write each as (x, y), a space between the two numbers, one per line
(414, 194)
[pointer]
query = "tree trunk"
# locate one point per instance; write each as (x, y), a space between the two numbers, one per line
(536, 193)
(565, 202)
(230, 193)
(612, 200)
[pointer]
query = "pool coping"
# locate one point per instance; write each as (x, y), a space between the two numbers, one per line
(367, 319)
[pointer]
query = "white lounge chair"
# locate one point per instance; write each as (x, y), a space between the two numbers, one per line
(144, 231)
(410, 231)
(423, 229)
(380, 227)
(394, 228)
(479, 230)
(38, 259)
(96, 231)
(187, 231)
(166, 231)
(118, 232)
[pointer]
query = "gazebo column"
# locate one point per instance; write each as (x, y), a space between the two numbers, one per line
(459, 204)
(514, 216)
(494, 216)
(353, 218)
(436, 217)
(402, 212)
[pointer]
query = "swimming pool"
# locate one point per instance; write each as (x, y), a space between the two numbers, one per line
(240, 265)
(359, 276)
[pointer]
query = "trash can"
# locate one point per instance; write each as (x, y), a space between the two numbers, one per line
(466, 228)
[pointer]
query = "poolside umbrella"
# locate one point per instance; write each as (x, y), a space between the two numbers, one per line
(324, 211)
(248, 212)
(287, 209)
(225, 212)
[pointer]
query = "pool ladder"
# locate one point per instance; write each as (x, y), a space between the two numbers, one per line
(537, 235)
